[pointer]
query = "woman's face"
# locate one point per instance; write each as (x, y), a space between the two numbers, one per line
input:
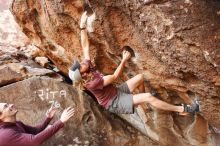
(84, 67)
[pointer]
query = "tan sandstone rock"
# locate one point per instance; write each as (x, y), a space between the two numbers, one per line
(176, 44)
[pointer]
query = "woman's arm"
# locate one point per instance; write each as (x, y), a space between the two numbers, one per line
(85, 44)
(111, 78)
(84, 36)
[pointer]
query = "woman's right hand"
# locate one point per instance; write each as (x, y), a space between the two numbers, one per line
(67, 114)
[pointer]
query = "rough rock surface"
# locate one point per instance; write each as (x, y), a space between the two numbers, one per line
(176, 44)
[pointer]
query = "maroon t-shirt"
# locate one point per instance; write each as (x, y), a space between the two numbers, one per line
(96, 86)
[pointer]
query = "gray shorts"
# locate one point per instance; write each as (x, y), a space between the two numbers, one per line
(122, 103)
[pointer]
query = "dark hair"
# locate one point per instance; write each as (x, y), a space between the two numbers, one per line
(129, 49)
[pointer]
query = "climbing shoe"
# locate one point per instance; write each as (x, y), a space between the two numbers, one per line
(192, 108)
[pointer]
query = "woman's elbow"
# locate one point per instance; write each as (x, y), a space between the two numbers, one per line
(114, 77)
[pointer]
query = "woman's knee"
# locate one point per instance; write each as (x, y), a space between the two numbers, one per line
(140, 77)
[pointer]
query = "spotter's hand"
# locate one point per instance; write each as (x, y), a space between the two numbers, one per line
(67, 114)
(51, 112)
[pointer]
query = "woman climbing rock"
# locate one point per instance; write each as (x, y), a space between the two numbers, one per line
(115, 99)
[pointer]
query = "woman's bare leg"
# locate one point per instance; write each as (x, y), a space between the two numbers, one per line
(137, 82)
(147, 97)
